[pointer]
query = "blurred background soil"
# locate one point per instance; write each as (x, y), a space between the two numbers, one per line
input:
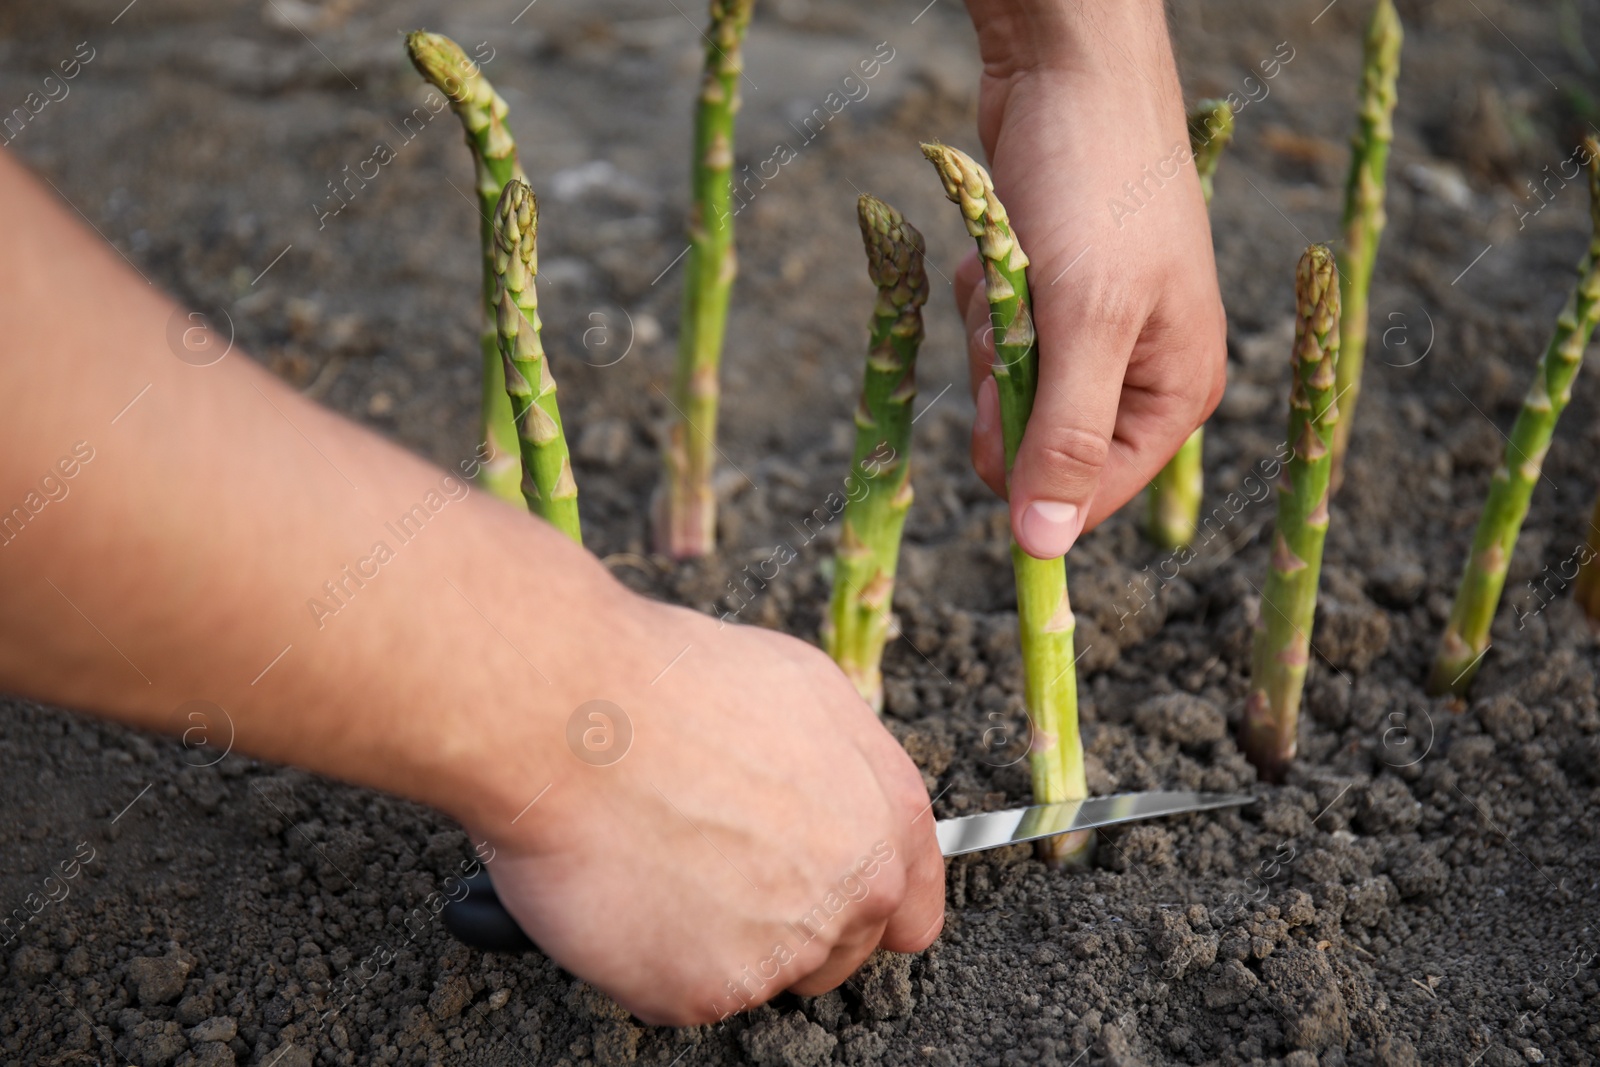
(1422, 889)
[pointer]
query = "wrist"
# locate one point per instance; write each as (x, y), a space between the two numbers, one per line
(1018, 36)
(503, 747)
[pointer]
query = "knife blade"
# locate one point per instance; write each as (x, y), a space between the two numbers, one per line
(994, 829)
(480, 920)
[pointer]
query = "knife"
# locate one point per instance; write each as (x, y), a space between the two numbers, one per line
(480, 920)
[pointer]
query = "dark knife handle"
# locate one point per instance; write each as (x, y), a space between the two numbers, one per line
(480, 920)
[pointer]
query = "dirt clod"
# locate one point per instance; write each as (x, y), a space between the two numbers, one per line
(1188, 720)
(788, 1041)
(884, 985)
(1301, 986)
(158, 980)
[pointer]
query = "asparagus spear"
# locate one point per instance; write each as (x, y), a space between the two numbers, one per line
(686, 508)
(1174, 501)
(494, 155)
(547, 482)
(1466, 638)
(1289, 601)
(1363, 210)
(1044, 615)
(1588, 587)
(869, 546)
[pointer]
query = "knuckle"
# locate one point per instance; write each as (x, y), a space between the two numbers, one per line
(1114, 310)
(1073, 453)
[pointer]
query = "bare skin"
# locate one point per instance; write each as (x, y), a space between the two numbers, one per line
(180, 563)
(179, 560)
(1080, 98)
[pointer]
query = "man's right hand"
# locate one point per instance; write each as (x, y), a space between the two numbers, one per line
(763, 831)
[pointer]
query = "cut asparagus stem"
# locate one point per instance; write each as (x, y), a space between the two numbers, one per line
(1363, 211)
(1173, 503)
(880, 469)
(1044, 615)
(1289, 601)
(546, 482)
(1173, 507)
(686, 508)
(1466, 638)
(1588, 587)
(494, 156)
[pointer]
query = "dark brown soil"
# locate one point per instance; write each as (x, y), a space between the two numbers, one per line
(1421, 891)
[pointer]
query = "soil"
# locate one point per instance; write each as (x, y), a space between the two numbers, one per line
(1420, 891)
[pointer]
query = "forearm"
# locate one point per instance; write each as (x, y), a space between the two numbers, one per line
(187, 558)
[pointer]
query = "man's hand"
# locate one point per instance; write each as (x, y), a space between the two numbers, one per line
(1082, 119)
(763, 831)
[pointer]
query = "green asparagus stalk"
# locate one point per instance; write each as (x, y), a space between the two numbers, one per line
(1363, 211)
(547, 481)
(1588, 587)
(494, 155)
(1044, 615)
(1173, 503)
(1210, 130)
(880, 469)
(1289, 601)
(686, 507)
(1466, 638)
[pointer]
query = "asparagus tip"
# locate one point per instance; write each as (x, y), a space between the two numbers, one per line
(895, 251)
(1210, 130)
(964, 180)
(1385, 29)
(1317, 290)
(443, 63)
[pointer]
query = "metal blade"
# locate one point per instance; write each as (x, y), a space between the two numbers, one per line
(992, 829)
(479, 919)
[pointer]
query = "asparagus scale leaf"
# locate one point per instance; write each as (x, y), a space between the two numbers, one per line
(1044, 614)
(1364, 217)
(547, 482)
(1173, 504)
(857, 625)
(494, 157)
(686, 508)
(1289, 599)
(1466, 637)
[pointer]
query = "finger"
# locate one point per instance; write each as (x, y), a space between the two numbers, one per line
(845, 959)
(1174, 381)
(905, 871)
(988, 449)
(915, 924)
(1071, 431)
